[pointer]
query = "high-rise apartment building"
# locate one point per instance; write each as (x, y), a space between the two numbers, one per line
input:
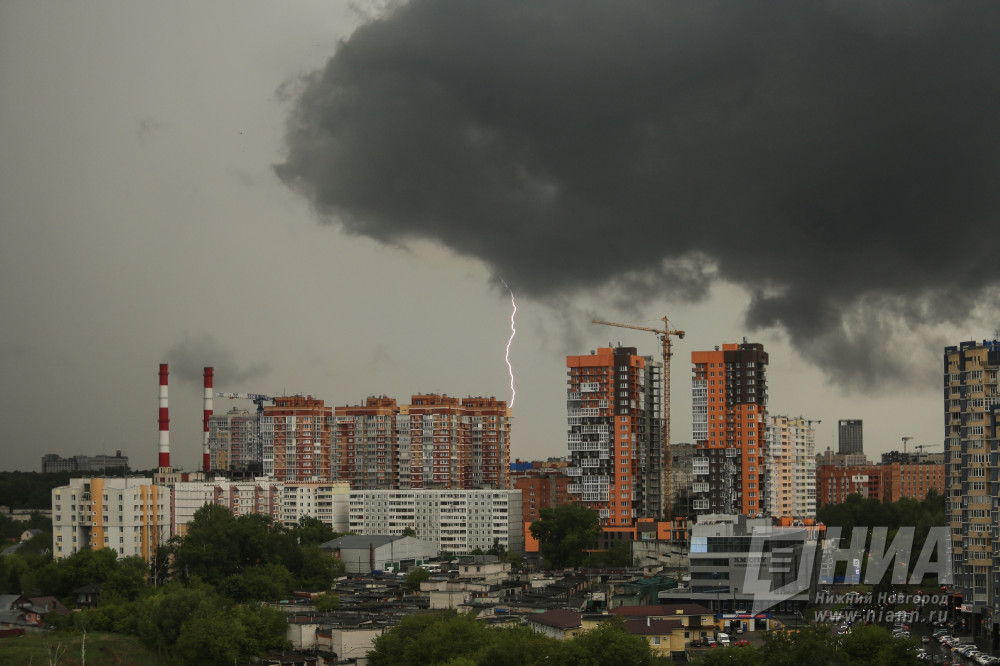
(791, 468)
(298, 439)
(129, 515)
(972, 439)
(232, 441)
(849, 437)
(615, 434)
(729, 423)
(436, 441)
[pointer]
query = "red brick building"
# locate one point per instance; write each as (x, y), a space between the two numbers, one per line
(887, 482)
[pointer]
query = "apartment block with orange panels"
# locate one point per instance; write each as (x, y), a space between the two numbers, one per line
(298, 439)
(615, 436)
(436, 441)
(729, 420)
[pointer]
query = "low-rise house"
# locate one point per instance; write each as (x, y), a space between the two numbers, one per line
(557, 623)
(665, 637)
(694, 622)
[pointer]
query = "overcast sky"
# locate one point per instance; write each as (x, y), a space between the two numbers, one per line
(321, 198)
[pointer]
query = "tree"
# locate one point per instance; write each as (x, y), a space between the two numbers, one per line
(610, 643)
(128, 581)
(327, 602)
(565, 533)
(430, 638)
(210, 550)
(312, 531)
(409, 531)
(415, 577)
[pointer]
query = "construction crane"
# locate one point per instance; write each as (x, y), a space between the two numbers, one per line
(905, 440)
(664, 335)
(920, 449)
(258, 399)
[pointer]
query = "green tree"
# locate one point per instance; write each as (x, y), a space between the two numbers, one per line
(609, 643)
(327, 602)
(210, 550)
(312, 530)
(565, 533)
(430, 638)
(127, 582)
(415, 577)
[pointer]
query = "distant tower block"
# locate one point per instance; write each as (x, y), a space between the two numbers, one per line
(164, 419)
(205, 458)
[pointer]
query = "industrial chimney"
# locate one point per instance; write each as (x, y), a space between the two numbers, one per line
(164, 419)
(205, 456)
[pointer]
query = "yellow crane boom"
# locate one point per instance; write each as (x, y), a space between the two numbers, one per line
(664, 335)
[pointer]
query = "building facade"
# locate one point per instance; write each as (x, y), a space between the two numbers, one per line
(615, 435)
(888, 482)
(131, 516)
(283, 502)
(721, 546)
(729, 388)
(791, 468)
(103, 464)
(458, 521)
(972, 439)
(436, 441)
(233, 442)
(298, 439)
(850, 436)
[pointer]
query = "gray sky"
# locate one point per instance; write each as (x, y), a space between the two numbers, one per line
(314, 207)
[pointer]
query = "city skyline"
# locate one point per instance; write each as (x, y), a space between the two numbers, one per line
(159, 208)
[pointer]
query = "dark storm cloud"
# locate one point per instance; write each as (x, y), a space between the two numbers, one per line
(189, 358)
(839, 160)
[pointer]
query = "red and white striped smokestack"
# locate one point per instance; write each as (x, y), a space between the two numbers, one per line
(164, 419)
(206, 462)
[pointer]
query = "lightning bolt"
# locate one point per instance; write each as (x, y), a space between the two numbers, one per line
(513, 332)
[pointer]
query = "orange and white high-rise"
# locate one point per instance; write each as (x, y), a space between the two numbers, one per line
(615, 435)
(729, 423)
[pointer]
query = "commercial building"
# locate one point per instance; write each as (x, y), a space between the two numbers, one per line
(131, 516)
(615, 435)
(436, 441)
(850, 437)
(729, 406)
(972, 439)
(362, 554)
(298, 439)
(725, 549)
(791, 468)
(99, 464)
(457, 521)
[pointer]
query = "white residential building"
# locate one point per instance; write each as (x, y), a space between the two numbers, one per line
(283, 502)
(129, 515)
(459, 521)
(791, 467)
